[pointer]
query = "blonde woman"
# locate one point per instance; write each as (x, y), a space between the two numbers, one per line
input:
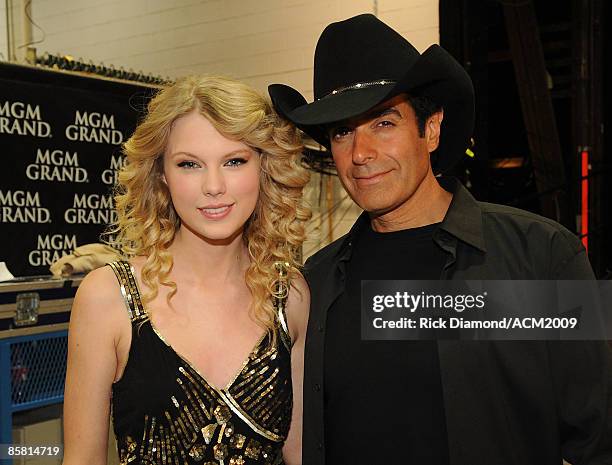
(194, 344)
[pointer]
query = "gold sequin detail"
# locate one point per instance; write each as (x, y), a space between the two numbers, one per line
(222, 413)
(163, 437)
(253, 449)
(237, 460)
(220, 451)
(197, 452)
(237, 441)
(129, 290)
(199, 422)
(208, 432)
(267, 452)
(262, 397)
(192, 422)
(131, 444)
(126, 454)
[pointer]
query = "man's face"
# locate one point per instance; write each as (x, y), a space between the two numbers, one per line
(380, 158)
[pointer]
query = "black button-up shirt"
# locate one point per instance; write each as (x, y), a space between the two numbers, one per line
(506, 402)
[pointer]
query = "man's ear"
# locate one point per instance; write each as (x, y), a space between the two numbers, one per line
(433, 129)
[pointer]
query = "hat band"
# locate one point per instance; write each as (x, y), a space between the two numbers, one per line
(359, 85)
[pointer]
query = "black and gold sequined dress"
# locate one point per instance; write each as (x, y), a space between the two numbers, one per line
(165, 412)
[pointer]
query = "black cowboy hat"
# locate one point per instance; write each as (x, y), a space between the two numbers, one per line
(360, 63)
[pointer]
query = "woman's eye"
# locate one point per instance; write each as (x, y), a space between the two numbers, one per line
(188, 164)
(235, 162)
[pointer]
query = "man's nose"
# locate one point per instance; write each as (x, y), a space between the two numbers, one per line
(213, 183)
(364, 149)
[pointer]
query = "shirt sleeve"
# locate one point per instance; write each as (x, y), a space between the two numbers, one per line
(582, 375)
(582, 379)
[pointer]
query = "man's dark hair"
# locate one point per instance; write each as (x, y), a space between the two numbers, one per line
(423, 108)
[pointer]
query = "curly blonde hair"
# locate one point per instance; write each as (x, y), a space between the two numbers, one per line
(146, 219)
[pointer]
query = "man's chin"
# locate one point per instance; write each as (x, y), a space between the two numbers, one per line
(377, 213)
(370, 201)
(376, 209)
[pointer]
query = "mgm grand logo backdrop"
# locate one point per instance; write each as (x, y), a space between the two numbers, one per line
(61, 144)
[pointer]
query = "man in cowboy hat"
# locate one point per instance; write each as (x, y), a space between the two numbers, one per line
(393, 120)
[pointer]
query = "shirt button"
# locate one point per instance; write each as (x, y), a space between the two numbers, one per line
(317, 387)
(320, 328)
(320, 446)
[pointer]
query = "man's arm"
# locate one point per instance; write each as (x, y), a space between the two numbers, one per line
(582, 377)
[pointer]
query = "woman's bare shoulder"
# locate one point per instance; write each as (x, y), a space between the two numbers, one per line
(298, 306)
(99, 296)
(98, 283)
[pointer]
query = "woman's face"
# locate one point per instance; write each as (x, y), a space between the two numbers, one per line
(213, 180)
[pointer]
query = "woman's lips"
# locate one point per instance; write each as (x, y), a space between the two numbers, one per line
(216, 213)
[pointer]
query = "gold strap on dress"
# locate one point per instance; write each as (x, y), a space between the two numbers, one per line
(129, 289)
(280, 293)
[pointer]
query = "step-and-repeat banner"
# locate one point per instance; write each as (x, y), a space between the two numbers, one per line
(61, 148)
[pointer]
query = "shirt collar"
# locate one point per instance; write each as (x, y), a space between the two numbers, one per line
(464, 216)
(463, 219)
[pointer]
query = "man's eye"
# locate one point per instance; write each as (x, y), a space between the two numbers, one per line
(187, 164)
(385, 123)
(340, 132)
(235, 162)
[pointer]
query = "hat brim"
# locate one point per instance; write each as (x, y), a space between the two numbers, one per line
(435, 75)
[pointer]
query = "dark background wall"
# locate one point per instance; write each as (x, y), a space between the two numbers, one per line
(535, 112)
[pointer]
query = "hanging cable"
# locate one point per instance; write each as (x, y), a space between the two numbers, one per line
(337, 222)
(323, 215)
(27, 12)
